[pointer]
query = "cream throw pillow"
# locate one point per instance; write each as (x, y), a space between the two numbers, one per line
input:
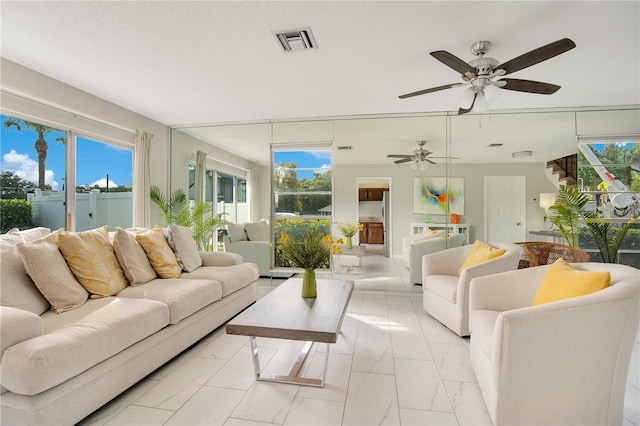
(91, 258)
(236, 232)
(47, 268)
(132, 258)
(257, 231)
(160, 255)
(18, 290)
(184, 247)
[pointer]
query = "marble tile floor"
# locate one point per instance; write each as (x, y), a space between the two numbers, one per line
(392, 365)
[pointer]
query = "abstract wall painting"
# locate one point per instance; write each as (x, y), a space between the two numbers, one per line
(431, 195)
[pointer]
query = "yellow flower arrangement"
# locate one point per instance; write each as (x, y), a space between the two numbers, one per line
(309, 253)
(334, 245)
(349, 229)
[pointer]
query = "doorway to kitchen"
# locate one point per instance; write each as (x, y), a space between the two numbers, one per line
(374, 213)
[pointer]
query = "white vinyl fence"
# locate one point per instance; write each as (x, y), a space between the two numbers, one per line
(93, 209)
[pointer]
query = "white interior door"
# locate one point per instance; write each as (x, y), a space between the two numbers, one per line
(505, 208)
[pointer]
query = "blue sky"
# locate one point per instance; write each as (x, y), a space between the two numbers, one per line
(94, 160)
(312, 160)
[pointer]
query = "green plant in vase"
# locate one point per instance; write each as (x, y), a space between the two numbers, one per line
(309, 253)
(348, 230)
(566, 213)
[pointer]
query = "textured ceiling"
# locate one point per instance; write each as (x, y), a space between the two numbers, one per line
(184, 63)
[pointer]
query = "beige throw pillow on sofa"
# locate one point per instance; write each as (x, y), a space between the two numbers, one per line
(236, 232)
(18, 290)
(132, 258)
(160, 255)
(184, 247)
(49, 271)
(91, 258)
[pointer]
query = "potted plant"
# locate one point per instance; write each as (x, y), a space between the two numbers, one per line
(310, 252)
(199, 218)
(569, 212)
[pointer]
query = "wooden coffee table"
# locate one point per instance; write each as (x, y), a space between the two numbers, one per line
(284, 314)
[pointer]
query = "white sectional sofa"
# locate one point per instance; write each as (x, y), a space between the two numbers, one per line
(57, 368)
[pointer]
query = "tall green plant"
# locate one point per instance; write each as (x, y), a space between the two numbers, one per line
(566, 213)
(569, 212)
(199, 218)
(607, 236)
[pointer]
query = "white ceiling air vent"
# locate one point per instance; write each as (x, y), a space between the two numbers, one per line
(344, 147)
(293, 40)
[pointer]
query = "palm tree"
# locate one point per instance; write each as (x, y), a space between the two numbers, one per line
(40, 145)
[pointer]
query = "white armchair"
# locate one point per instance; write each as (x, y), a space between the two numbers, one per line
(558, 363)
(446, 295)
(422, 247)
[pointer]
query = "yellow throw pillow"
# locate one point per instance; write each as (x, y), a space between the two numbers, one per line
(160, 255)
(91, 258)
(562, 281)
(480, 252)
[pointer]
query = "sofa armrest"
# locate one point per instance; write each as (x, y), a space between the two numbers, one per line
(17, 326)
(214, 258)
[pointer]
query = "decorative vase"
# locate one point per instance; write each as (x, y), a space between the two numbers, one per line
(309, 283)
(454, 218)
(349, 243)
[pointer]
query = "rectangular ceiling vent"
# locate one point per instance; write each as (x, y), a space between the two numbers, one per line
(294, 40)
(494, 145)
(345, 147)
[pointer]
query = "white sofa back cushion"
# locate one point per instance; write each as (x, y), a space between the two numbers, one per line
(257, 231)
(17, 290)
(236, 233)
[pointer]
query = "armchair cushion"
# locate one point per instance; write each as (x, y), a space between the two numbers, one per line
(562, 281)
(257, 231)
(480, 252)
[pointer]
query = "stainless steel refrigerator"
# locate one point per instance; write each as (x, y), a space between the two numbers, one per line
(386, 223)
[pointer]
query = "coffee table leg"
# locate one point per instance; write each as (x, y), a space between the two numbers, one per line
(293, 377)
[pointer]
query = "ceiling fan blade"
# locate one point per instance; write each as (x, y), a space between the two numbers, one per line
(405, 160)
(432, 162)
(453, 62)
(537, 55)
(466, 110)
(431, 90)
(400, 156)
(529, 86)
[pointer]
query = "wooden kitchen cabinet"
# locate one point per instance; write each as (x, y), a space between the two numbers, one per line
(370, 194)
(372, 233)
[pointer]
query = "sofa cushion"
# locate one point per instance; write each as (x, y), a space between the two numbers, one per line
(483, 323)
(258, 231)
(17, 290)
(77, 340)
(160, 255)
(480, 252)
(232, 277)
(91, 258)
(562, 281)
(47, 268)
(183, 297)
(236, 232)
(184, 247)
(132, 258)
(445, 286)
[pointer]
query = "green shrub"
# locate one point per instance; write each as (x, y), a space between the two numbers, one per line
(15, 214)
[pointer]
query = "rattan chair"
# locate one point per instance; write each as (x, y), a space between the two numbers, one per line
(536, 253)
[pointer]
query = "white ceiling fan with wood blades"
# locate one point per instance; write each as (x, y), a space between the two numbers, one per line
(419, 159)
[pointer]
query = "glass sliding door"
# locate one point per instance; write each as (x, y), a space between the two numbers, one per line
(103, 185)
(33, 175)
